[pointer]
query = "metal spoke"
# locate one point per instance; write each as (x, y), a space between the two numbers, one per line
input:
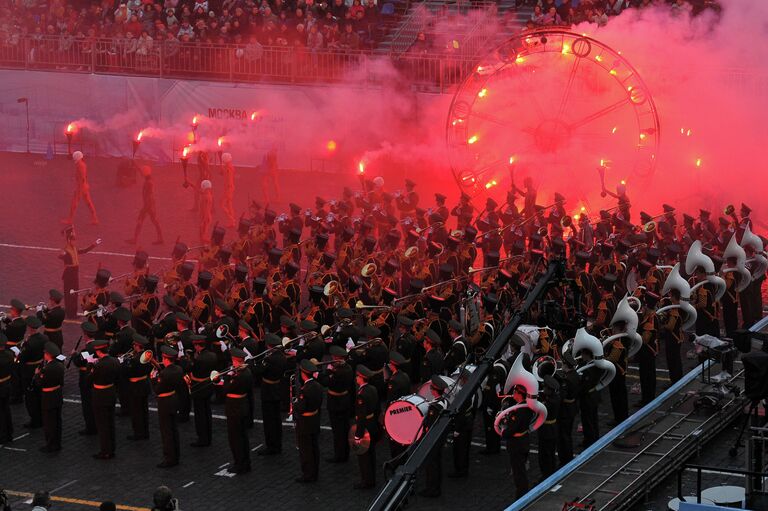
(599, 113)
(567, 91)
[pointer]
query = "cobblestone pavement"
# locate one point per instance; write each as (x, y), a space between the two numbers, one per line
(36, 196)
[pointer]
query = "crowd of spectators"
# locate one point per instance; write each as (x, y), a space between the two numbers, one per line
(138, 25)
(573, 12)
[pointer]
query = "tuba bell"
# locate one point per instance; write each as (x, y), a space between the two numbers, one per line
(627, 314)
(759, 260)
(585, 341)
(677, 282)
(544, 366)
(519, 376)
(696, 258)
(735, 252)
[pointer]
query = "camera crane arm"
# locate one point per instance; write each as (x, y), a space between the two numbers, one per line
(397, 489)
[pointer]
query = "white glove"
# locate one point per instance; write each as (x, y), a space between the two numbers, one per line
(98, 241)
(180, 345)
(301, 342)
(15, 351)
(223, 347)
(350, 344)
(61, 357)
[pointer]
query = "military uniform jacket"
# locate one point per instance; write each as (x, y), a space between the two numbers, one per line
(376, 356)
(105, 374)
(589, 379)
(123, 341)
(138, 377)
(14, 331)
(518, 422)
(399, 385)
(202, 365)
(431, 364)
(548, 430)
(54, 318)
(307, 409)
(569, 392)
(340, 383)
(236, 389)
(6, 364)
(271, 370)
(166, 385)
(51, 380)
(367, 411)
(649, 327)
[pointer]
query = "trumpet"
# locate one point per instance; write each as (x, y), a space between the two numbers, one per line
(121, 277)
(649, 227)
(80, 291)
(99, 311)
(481, 270)
(147, 357)
(429, 227)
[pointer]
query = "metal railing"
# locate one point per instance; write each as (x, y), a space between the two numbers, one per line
(410, 27)
(719, 470)
(223, 62)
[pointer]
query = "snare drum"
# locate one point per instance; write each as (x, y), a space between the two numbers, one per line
(403, 418)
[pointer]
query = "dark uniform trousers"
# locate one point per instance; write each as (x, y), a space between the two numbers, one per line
(6, 420)
(462, 440)
(588, 404)
(518, 447)
(565, 432)
(104, 418)
(619, 400)
(492, 439)
(308, 442)
(32, 395)
(201, 404)
(646, 360)
(167, 414)
(548, 435)
(270, 412)
(366, 462)
(674, 359)
(238, 418)
(86, 401)
(340, 422)
(139, 407)
(52, 426)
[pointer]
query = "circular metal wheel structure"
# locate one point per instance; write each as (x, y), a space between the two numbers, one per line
(550, 102)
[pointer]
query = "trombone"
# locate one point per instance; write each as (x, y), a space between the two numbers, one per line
(361, 305)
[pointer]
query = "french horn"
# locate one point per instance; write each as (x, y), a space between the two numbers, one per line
(751, 241)
(677, 282)
(734, 251)
(696, 258)
(519, 376)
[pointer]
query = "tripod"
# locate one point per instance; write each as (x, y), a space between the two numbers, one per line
(733, 451)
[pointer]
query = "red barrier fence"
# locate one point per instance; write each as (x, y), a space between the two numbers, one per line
(250, 63)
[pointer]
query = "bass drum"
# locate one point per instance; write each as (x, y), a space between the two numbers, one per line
(425, 390)
(403, 418)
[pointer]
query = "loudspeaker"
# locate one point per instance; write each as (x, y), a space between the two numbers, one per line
(756, 375)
